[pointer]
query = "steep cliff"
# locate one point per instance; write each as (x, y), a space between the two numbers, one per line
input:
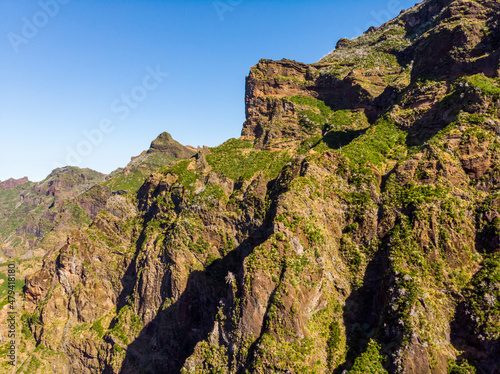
(354, 226)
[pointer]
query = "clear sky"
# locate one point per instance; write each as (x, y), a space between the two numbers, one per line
(91, 83)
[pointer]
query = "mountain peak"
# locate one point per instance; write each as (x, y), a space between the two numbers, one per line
(166, 144)
(163, 137)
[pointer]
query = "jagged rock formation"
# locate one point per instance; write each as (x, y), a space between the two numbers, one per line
(354, 226)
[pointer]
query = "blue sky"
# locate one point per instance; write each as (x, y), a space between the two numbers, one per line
(92, 83)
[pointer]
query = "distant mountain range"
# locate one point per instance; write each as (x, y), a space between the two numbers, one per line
(37, 216)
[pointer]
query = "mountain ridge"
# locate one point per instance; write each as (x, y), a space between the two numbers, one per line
(42, 204)
(11, 183)
(353, 227)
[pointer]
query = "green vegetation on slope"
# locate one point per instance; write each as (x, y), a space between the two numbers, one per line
(238, 159)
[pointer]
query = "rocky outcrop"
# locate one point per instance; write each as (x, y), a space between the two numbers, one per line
(270, 114)
(458, 48)
(37, 286)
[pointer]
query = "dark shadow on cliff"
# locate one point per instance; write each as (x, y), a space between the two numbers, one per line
(465, 335)
(170, 338)
(130, 276)
(255, 345)
(483, 59)
(436, 118)
(363, 309)
(482, 353)
(129, 279)
(339, 139)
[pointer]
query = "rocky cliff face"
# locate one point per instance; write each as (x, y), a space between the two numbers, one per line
(353, 227)
(436, 40)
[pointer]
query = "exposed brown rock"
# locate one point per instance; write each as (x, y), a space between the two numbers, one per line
(12, 183)
(37, 286)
